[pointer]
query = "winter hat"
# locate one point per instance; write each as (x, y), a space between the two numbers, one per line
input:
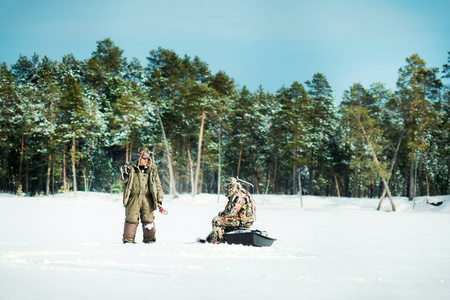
(144, 153)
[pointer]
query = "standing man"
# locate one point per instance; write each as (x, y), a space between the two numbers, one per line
(240, 211)
(142, 194)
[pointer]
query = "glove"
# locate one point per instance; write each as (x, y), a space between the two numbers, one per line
(125, 170)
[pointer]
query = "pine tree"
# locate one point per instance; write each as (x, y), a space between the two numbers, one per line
(72, 108)
(106, 61)
(8, 108)
(25, 119)
(226, 92)
(365, 130)
(440, 140)
(261, 151)
(164, 77)
(50, 96)
(245, 132)
(357, 96)
(418, 88)
(94, 135)
(322, 120)
(393, 133)
(128, 113)
(291, 120)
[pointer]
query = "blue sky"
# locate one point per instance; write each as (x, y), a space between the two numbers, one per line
(267, 43)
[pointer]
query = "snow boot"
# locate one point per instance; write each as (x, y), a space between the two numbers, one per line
(129, 232)
(149, 232)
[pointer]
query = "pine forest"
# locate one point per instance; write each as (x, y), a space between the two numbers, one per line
(69, 125)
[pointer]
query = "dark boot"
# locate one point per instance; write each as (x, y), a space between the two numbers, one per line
(149, 234)
(129, 232)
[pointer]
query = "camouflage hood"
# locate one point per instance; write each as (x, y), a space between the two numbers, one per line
(232, 186)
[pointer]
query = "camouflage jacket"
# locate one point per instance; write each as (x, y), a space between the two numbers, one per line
(241, 205)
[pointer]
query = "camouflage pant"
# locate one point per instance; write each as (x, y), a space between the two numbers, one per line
(222, 225)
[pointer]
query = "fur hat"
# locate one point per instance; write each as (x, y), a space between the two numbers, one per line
(144, 153)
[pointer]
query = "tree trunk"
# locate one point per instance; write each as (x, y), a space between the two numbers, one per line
(21, 161)
(83, 171)
(310, 180)
(268, 183)
(126, 143)
(202, 166)
(27, 177)
(300, 188)
(256, 181)
(411, 180)
(378, 165)
(86, 169)
(294, 179)
(49, 167)
(199, 155)
(419, 179)
(64, 171)
(240, 151)
(391, 169)
(130, 150)
(337, 183)
(355, 182)
(172, 187)
(74, 170)
(448, 179)
(219, 169)
(294, 168)
(239, 160)
(347, 181)
(49, 170)
(275, 189)
(191, 170)
(53, 178)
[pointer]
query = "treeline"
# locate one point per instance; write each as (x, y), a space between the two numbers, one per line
(69, 125)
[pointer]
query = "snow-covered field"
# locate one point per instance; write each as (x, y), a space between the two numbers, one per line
(69, 247)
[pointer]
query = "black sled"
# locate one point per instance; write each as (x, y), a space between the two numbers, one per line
(247, 237)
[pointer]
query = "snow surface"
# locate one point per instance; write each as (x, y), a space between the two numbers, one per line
(69, 247)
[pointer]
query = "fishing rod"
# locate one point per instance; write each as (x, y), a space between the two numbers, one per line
(246, 182)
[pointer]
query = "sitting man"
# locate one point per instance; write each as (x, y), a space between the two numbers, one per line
(240, 211)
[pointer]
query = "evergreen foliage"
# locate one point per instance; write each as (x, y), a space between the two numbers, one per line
(69, 125)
